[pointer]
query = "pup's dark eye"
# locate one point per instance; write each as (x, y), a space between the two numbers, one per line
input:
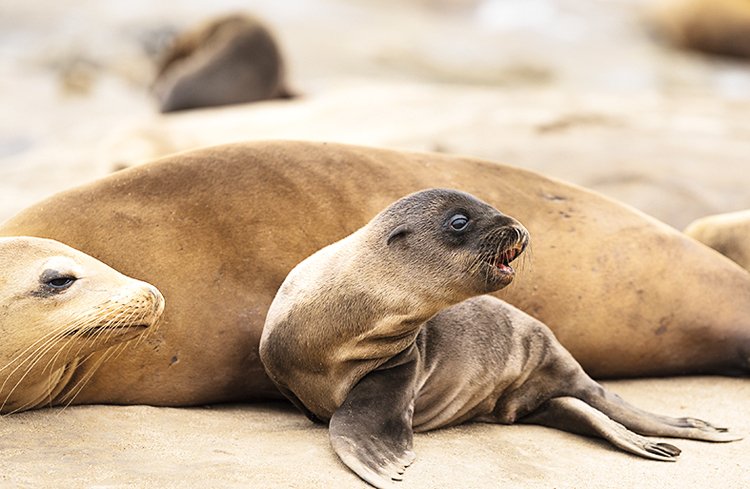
(60, 282)
(458, 222)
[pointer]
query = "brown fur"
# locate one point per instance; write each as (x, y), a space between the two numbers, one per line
(218, 229)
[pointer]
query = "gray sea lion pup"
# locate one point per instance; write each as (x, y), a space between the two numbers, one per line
(231, 60)
(387, 331)
(59, 306)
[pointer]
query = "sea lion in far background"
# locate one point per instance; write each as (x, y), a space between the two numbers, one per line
(217, 230)
(729, 234)
(231, 60)
(58, 306)
(388, 331)
(713, 26)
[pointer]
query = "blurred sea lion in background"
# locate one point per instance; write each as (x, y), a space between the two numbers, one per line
(230, 60)
(729, 234)
(713, 26)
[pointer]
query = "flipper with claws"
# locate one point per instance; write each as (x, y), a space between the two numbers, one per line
(372, 430)
(574, 415)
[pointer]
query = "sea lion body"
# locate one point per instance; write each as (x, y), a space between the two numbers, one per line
(217, 230)
(382, 335)
(729, 234)
(484, 360)
(57, 307)
(230, 60)
(362, 311)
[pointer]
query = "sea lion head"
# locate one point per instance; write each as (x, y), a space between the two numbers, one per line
(58, 306)
(452, 241)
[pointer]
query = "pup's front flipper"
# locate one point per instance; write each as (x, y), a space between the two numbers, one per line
(574, 415)
(371, 431)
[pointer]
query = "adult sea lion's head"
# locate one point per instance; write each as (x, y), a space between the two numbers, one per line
(57, 307)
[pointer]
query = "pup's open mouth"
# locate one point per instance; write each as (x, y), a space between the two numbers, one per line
(502, 260)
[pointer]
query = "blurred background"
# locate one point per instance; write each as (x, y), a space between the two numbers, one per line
(604, 93)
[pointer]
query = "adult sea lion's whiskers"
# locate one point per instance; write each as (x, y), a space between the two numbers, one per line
(48, 342)
(76, 390)
(146, 334)
(69, 394)
(126, 317)
(63, 338)
(33, 345)
(33, 358)
(100, 329)
(32, 351)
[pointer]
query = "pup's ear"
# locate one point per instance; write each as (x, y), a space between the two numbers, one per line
(398, 232)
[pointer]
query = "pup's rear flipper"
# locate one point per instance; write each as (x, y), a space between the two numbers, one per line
(573, 415)
(650, 424)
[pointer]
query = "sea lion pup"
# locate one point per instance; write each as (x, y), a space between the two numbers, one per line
(58, 306)
(355, 335)
(719, 27)
(231, 60)
(729, 234)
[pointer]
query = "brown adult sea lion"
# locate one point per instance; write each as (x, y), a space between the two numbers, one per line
(217, 230)
(62, 314)
(388, 331)
(231, 60)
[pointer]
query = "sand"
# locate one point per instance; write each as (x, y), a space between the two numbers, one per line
(575, 89)
(271, 445)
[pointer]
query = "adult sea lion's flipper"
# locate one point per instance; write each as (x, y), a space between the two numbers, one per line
(371, 431)
(574, 415)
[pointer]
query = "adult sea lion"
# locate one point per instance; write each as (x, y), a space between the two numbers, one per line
(362, 333)
(230, 60)
(729, 234)
(218, 229)
(57, 307)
